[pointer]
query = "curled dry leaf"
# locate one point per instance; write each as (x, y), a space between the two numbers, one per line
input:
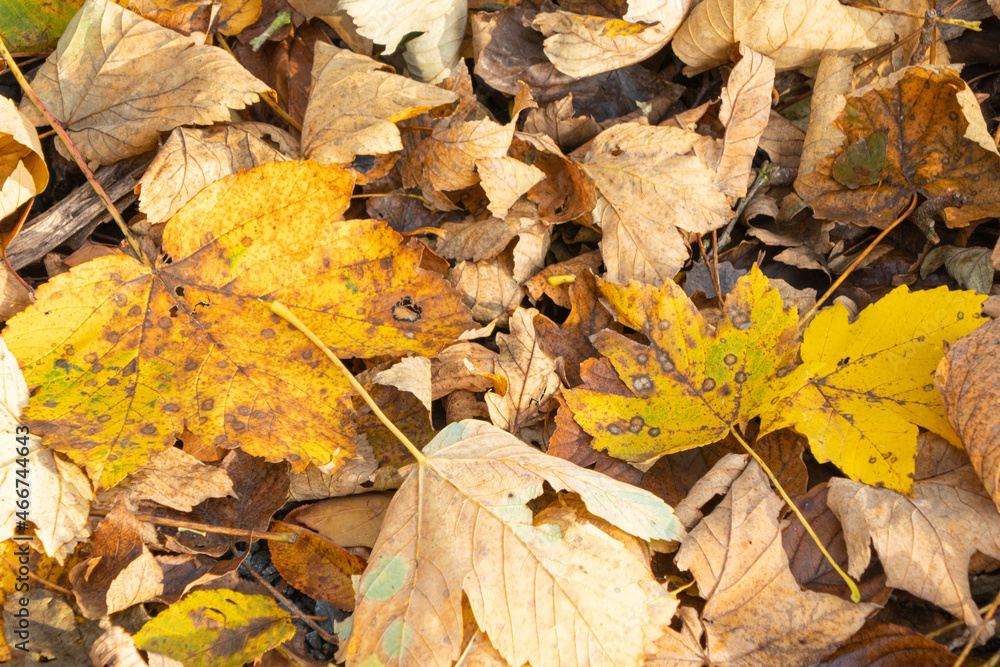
(967, 381)
(144, 352)
(924, 542)
(737, 559)
(412, 374)
(460, 525)
(354, 105)
(504, 180)
(651, 186)
(117, 80)
(23, 173)
(745, 109)
(795, 33)
(865, 386)
(228, 17)
(888, 645)
(488, 288)
(178, 480)
(193, 158)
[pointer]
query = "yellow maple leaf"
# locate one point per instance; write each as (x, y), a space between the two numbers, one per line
(866, 386)
(690, 386)
(123, 357)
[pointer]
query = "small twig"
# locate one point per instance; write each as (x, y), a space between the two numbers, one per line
(280, 21)
(978, 631)
(250, 535)
(420, 128)
(951, 626)
(927, 34)
(57, 126)
(49, 584)
(306, 618)
(270, 98)
(708, 267)
(968, 25)
(389, 194)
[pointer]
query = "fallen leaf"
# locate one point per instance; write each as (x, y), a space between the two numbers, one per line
(967, 382)
(462, 365)
(488, 288)
(183, 572)
(220, 628)
(931, 149)
(924, 543)
(528, 372)
(561, 123)
(193, 158)
(651, 187)
(972, 268)
(120, 572)
(782, 141)
(30, 26)
(412, 374)
(116, 648)
(558, 288)
(23, 173)
(223, 363)
(504, 180)
(110, 85)
(736, 557)
(354, 105)
(888, 645)
(794, 33)
(187, 16)
(690, 387)
(350, 521)
(866, 386)
(474, 486)
(177, 480)
(316, 566)
(745, 109)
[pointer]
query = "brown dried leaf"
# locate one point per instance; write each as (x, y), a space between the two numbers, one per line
(117, 80)
(412, 374)
(488, 288)
(558, 290)
(228, 17)
(183, 572)
(782, 141)
(178, 480)
(736, 557)
(316, 566)
(462, 366)
(23, 173)
(746, 106)
(887, 645)
(924, 542)
(504, 180)
(561, 123)
(351, 521)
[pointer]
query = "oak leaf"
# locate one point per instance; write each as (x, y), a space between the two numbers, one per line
(218, 628)
(925, 542)
(689, 386)
(864, 387)
(117, 80)
(651, 186)
(460, 526)
(934, 145)
(23, 173)
(738, 562)
(144, 352)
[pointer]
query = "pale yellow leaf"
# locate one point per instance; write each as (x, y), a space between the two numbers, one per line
(504, 180)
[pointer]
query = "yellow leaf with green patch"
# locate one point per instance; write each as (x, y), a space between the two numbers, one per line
(121, 358)
(865, 387)
(220, 628)
(689, 384)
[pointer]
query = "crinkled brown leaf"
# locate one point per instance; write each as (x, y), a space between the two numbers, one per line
(350, 521)
(888, 645)
(316, 566)
(178, 480)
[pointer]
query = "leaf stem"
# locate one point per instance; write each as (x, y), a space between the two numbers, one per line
(57, 126)
(871, 246)
(282, 19)
(281, 310)
(855, 593)
(208, 528)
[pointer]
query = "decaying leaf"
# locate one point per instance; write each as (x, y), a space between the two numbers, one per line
(460, 524)
(412, 374)
(144, 352)
(23, 173)
(745, 109)
(888, 645)
(350, 521)
(117, 80)
(176, 479)
(504, 180)
(866, 386)
(220, 628)
(689, 386)
(228, 17)
(736, 557)
(316, 566)
(651, 187)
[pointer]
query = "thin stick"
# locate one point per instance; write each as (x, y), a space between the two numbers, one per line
(390, 194)
(49, 584)
(282, 311)
(57, 126)
(855, 593)
(951, 626)
(327, 637)
(978, 631)
(208, 528)
(871, 246)
(711, 276)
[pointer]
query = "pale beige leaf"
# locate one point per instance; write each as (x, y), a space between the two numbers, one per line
(488, 288)
(782, 141)
(716, 482)
(23, 173)
(358, 475)
(834, 80)
(412, 374)
(178, 480)
(504, 180)
(431, 55)
(462, 366)
(746, 106)
(354, 106)
(756, 614)
(460, 525)
(795, 33)
(924, 542)
(559, 121)
(651, 186)
(117, 80)
(193, 158)
(529, 372)
(351, 521)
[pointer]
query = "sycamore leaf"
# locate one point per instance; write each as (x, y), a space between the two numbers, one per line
(354, 105)
(925, 542)
(504, 180)
(934, 145)
(689, 386)
(123, 357)
(220, 628)
(117, 80)
(865, 387)
(651, 186)
(795, 33)
(23, 173)
(755, 614)
(193, 158)
(460, 525)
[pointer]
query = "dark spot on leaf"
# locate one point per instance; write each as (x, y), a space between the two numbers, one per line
(179, 291)
(642, 357)
(665, 364)
(112, 336)
(165, 322)
(308, 354)
(663, 326)
(131, 367)
(119, 299)
(708, 384)
(407, 310)
(220, 440)
(103, 419)
(635, 424)
(50, 403)
(246, 241)
(229, 418)
(208, 404)
(729, 360)
(654, 431)
(326, 262)
(113, 382)
(90, 357)
(740, 377)
(267, 333)
(148, 429)
(871, 461)
(222, 363)
(62, 364)
(190, 365)
(243, 411)
(928, 387)
(171, 407)
(614, 429)
(239, 426)
(642, 383)
(961, 316)
(843, 362)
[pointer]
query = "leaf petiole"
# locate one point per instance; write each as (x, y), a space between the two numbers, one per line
(855, 593)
